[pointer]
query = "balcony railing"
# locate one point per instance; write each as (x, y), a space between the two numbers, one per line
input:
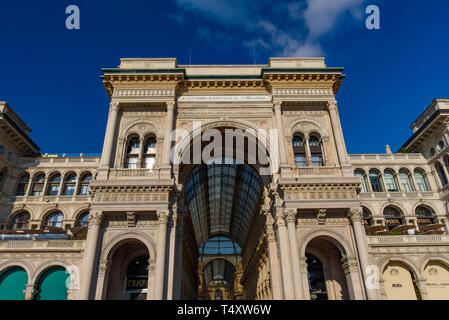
(317, 171)
(48, 245)
(408, 240)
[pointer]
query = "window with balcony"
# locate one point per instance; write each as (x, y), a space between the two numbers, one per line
(149, 153)
(375, 180)
(299, 151)
(54, 220)
(20, 221)
(83, 220)
(69, 186)
(420, 179)
(84, 184)
(316, 151)
(53, 185)
(38, 185)
(393, 217)
(361, 175)
(132, 153)
(406, 180)
(441, 174)
(426, 217)
(390, 181)
(22, 186)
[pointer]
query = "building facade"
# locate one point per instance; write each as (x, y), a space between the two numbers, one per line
(225, 182)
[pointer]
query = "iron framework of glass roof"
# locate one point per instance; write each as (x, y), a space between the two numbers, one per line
(220, 246)
(218, 271)
(221, 199)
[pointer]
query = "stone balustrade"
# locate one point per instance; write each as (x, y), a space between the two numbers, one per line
(44, 245)
(408, 240)
(317, 171)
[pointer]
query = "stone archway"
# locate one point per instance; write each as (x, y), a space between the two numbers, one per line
(335, 270)
(119, 283)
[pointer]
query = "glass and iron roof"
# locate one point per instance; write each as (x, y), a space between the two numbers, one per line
(221, 199)
(220, 246)
(219, 271)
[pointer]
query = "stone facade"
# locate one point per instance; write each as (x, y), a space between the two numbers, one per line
(362, 226)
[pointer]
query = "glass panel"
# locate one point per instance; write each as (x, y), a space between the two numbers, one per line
(362, 178)
(317, 161)
(20, 221)
(134, 146)
(150, 161)
(131, 162)
(390, 181)
(375, 181)
(298, 141)
(69, 190)
(421, 181)
(83, 220)
(405, 181)
(54, 189)
(55, 220)
(300, 160)
(84, 189)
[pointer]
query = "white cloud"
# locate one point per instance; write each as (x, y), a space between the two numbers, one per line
(291, 28)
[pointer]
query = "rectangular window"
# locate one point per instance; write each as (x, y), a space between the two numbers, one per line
(131, 163)
(84, 189)
(317, 161)
(54, 190)
(300, 161)
(69, 190)
(150, 162)
(375, 184)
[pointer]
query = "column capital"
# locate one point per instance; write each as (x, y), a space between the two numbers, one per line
(114, 106)
(277, 105)
(280, 217)
(291, 215)
(104, 268)
(171, 105)
(162, 216)
(355, 214)
(332, 104)
(95, 218)
(30, 292)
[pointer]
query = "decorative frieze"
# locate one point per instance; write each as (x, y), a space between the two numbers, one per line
(158, 92)
(303, 92)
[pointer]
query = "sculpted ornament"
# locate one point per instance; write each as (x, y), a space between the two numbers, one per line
(95, 218)
(355, 214)
(163, 216)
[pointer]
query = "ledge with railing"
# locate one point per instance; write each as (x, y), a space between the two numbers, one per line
(408, 240)
(45, 245)
(316, 171)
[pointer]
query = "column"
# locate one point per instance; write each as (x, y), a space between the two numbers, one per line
(281, 134)
(160, 254)
(289, 292)
(109, 137)
(338, 134)
(29, 292)
(140, 156)
(177, 277)
(297, 281)
(308, 153)
(95, 220)
(356, 216)
(421, 283)
(276, 280)
(167, 135)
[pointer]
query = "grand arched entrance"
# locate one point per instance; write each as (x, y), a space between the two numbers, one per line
(224, 249)
(127, 277)
(13, 283)
(327, 279)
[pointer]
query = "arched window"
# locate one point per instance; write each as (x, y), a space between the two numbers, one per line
(425, 216)
(218, 294)
(441, 145)
(84, 184)
(22, 186)
(54, 219)
(20, 221)
(149, 153)
(376, 183)
(390, 181)
(367, 217)
(393, 217)
(132, 153)
(69, 186)
(300, 151)
(406, 182)
(53, 186)
(432, 152)
(361, 175)
(315, 151)
(83, 219)
(441, 173)
(38, 185)
(3, 176)
(421, 180)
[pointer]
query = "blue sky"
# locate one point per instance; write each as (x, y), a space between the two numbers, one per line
(50, 75)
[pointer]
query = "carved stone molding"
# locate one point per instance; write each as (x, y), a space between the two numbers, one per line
(96, 218)
(321, 216)
(163, 216)
(355, 214)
